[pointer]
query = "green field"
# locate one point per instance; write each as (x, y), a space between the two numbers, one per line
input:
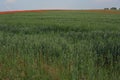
(60, 45)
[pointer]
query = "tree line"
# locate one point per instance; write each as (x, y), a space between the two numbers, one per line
(112, 8)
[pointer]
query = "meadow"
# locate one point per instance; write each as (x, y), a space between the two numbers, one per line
(60, 45)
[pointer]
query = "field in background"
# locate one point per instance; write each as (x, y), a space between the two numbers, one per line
(20, 11)
(60, 45)
(98, 11)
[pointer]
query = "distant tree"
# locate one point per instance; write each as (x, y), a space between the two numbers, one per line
(113, 8)
(106, 8)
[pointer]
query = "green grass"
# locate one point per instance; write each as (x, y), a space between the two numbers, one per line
(60, 45)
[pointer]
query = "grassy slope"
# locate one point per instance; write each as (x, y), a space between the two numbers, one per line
(60, 45)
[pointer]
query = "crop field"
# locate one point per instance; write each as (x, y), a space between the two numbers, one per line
(60, 45)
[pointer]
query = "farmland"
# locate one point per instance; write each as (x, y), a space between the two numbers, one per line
(60, 45)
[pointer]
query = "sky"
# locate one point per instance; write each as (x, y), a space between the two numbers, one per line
(6, 5)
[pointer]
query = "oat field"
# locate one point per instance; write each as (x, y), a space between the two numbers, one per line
(60, 45)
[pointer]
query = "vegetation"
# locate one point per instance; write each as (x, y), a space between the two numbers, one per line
(106, 8)
(60, 45)
(113, 8)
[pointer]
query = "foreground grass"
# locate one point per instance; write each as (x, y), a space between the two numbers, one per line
(59, 45)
